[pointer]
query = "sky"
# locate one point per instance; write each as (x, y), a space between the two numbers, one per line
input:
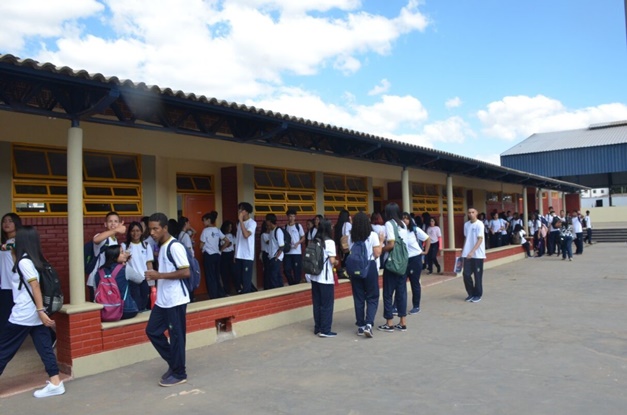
(470, 77)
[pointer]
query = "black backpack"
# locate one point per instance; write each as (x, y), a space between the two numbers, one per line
(90, 258)
(313, 261)
(287, 239)
(50, 287)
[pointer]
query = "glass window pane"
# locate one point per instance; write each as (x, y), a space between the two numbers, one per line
(30, 207)
(261, 178)
(184, 183)
(98, 207)
(97, 166)
(30, 189)
(125, 167)
(202, 183)
(58, 207)
(58, 190)
(30, 162)
(98, 191)
(277, 178)
(125, 191)
(126, 207)
(58, 163)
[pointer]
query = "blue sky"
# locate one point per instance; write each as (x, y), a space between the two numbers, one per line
(468, 77)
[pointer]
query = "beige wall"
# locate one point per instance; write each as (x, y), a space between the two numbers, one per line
(601, 215)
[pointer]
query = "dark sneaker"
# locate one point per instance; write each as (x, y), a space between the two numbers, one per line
(329, 334)
(385, 327)
(368, 331)
(468, 299)
(414, 310)
(475, 299)
(167, 374)
(50, 390)
(171, 381)
(400, 327)
(361, 330)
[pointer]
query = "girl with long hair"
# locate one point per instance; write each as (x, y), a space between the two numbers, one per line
(141, 259)
(435, 234)
(227, 258)
(28, 314)
(11, 222)
(415, 237)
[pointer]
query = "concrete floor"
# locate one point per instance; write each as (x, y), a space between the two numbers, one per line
(549, 337)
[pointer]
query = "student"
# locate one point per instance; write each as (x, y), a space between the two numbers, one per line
(311, 230)
(588, 223)
(185, 234)
(28, 316)
(11, 222)
(576, 220)
(245, 247)
(518, 236)
(227, 257)
(342, 228)
(169, 312)
(366, 290)
(566, 236)
(210, 240)
(432, 253)
(293, 260)
(126, 278)
(394, 285)
(101, 240)
(140, 260)
(276, 242)
(264, 241)
(415, 236)
(474, 255)
(496, 226)
(323, 284)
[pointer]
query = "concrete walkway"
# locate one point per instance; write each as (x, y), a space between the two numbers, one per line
(549, 337)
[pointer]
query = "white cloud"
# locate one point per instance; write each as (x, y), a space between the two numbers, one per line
(493, 158)
(451, 130)
(231, 49)
(516, 117)
(384, 86)
(453, 103)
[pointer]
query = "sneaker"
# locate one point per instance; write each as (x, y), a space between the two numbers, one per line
(167, 374)
(414, 310)
(171, 381)
(368, 331)
(395, 311)
(468, 299)
(361, 330)
(385, 327)
(329, 334)
(400, 327)
(50, 390)
(570, 259)
(475, 299)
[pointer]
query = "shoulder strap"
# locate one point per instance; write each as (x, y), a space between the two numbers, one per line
(23, 282)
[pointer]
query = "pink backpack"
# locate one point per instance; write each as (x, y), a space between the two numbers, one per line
(108, 294)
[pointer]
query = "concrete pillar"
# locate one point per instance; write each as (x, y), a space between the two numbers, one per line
(320, 193)
(405, 190)
(75, 214)
(563, 202)
(540, 203)
(6, 177)
(525, 211)
(450, 213)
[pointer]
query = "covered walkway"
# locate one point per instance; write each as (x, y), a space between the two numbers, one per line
(548, 337)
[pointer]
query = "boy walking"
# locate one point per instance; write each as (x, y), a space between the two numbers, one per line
(245, 247)
(169, 312)
(473, 254)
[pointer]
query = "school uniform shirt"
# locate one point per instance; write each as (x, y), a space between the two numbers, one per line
(413, 247)
(472, 232)
(6, 267)
(346, 228)
(389, 231)
(577, 228)
(495, 226)
(265, 242)
(522, 234)
(172, 292)
(141, 254)
(588, 222)
(276, 241)
(231, 239)
(211, 237)
(245, 247)
(371, 242)
(296, 232)
(326, 276)
(99, 249)
(187, 242)
(434, 233)
(311, 234)
(24, 312)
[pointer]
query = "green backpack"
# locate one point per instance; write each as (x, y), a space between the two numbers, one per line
(398, 258)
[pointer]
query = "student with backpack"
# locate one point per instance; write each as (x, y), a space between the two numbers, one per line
(114, 226)
(395, 270)
(323, 283)
(415, 236)
(28, 315)
(169, 312)
(276, 252)
(11, 222)
(365, 288)
(293, 260)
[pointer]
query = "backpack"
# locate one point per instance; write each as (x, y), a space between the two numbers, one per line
(90, 258)
(313, 262)
(357, 264)
(108, 294)
(584, 223)
(287, 239)
(516, 239)
(50, 287)
(398, 257)
(193, 281)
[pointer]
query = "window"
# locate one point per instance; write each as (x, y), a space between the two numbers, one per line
(111, 182)
(425, 198)
(277, 190)
(193, 183)
(345, 192)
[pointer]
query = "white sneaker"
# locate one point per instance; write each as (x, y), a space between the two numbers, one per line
(50, 390)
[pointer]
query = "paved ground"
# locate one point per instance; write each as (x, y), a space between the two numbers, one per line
(549, 337)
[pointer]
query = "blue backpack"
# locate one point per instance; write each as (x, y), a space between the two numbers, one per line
(358, 263)
(193, 281)
(90, 258)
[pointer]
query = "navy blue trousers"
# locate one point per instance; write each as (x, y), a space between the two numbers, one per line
(366, 296)
(414, 268)
(12, 338)
(473, 266)
(212, 275)
(6, 305)
(322, 298)
(394, 293)
(275, 280)
(293, 268)
(244, 275)
(173, 351)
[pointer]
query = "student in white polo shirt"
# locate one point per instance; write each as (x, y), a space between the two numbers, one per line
(169, 312)
(293, 261)
(245, 247)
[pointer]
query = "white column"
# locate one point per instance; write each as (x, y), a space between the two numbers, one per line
(525, 212)
(405, 190)
(450, 213)
(75, 214)
(563, 202)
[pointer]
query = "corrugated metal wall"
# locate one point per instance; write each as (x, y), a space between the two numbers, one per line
(571, 162)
